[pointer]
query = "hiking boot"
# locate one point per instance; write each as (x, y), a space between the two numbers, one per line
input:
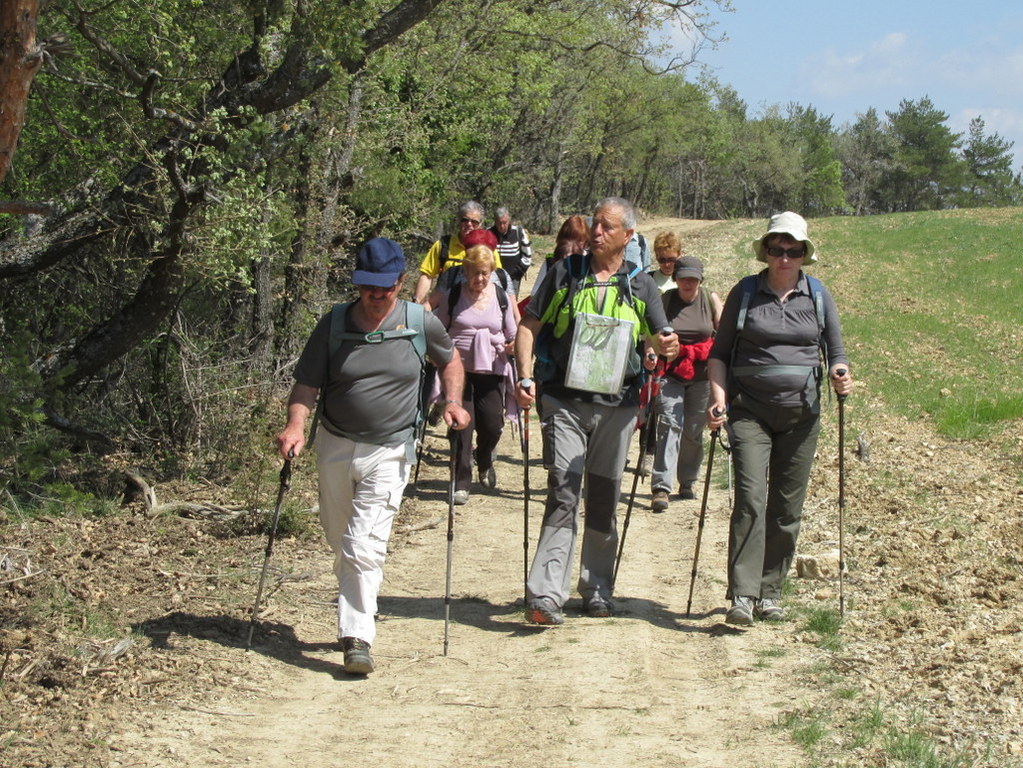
(741, 612)
(358, 660)
(488, 478)
(599, 608)
(687, 492)
(660, 502)
(461, 497)
(543, 611)
(769, 609)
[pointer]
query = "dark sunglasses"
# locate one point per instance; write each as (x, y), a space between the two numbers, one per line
(793, 253)
(467, 220)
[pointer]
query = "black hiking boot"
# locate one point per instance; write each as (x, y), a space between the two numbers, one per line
(358, 660)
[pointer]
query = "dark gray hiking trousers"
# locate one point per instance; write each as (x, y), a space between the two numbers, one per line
(773, 452)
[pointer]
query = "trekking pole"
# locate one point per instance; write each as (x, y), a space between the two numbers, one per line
(525, 503)
(523, 419)
(841, 501)
(715, 437)
(728, 451)
(451, 534)
(419, 453)
(284, 485)
(651, 423)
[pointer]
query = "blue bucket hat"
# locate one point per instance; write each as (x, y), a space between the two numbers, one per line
(380, 263)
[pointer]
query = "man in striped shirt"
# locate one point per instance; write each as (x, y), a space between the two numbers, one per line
(513, 246)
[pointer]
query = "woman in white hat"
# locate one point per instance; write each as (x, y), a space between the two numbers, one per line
(765, 371)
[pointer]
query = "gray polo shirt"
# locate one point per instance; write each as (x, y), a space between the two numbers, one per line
(370, 392)
(778, 333)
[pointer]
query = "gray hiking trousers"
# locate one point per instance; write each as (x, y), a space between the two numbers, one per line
(773, 449)
(580, 440)
(681, 419)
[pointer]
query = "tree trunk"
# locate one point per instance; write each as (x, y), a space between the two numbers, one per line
(559, 170)
(20, 59)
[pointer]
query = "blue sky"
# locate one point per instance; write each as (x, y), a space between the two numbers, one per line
(844, 57)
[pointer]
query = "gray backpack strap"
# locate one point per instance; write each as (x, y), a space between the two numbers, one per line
(415, 320)
(414, 330)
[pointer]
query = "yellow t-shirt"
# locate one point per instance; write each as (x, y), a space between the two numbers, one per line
(456, 252)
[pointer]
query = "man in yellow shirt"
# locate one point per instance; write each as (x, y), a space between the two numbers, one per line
(450, 253)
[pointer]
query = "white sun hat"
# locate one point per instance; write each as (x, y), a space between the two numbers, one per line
(787, 223)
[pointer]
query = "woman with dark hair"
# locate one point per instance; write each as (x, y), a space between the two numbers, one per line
(693, 311)
(572, 238)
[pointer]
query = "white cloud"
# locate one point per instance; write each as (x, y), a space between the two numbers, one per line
(888, 63)
(1007, 123)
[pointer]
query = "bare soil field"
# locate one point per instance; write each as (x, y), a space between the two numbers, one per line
(142, 661)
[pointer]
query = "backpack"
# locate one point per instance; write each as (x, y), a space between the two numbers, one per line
(749, 287)
(578, 265)
(456, 292)
(447, 280)
(445, 247)
(414, 331)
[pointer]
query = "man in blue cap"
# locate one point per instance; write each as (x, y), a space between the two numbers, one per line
(364, 363)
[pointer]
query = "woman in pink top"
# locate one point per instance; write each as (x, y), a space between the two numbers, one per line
(480, 320)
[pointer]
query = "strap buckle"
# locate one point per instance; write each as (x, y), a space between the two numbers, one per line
(374, 337)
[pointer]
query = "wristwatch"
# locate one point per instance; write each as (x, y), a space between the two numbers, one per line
(526, 382)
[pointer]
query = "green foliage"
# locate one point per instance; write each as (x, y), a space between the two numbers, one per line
(927, 172)
(826, 623)
(989, 177)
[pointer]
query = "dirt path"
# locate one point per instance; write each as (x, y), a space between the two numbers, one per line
(646, 688)
(649, 687)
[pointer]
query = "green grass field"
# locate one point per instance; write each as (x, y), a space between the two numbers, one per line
(932, 311)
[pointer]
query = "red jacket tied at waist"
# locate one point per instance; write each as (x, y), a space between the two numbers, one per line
(682, 366)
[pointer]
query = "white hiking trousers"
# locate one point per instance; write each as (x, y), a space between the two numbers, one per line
(361, 486)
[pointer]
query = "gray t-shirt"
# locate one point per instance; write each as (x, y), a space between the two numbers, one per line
(778, 333)
(370, 391)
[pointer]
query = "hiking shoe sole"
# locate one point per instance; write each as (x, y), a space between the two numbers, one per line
(599, 609)
(358, 660)
(741, 613)
(546, 616)
(738, 617)
(769, 611)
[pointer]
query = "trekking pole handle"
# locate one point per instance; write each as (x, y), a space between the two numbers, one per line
(841, 372)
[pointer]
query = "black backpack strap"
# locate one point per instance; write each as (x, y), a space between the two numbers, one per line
(453, 295)
(456, 292)
(445, 248)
